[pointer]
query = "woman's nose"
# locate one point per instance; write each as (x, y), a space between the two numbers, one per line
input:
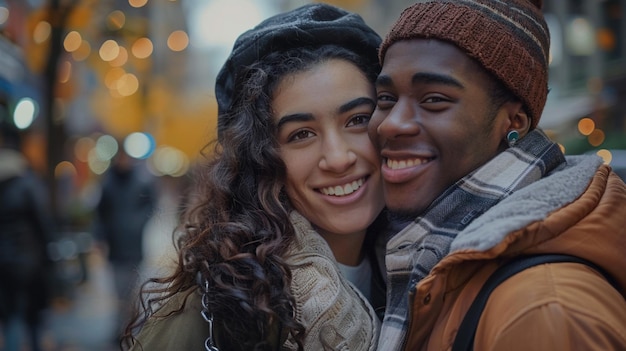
(337, 155)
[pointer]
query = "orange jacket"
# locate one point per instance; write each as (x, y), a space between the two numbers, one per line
(560, 306)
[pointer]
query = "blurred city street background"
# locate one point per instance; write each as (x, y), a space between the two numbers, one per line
(83, 315)
(85, 82)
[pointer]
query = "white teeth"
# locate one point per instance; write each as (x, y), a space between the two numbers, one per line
(343, 190)
(339, 190)
(394, 164)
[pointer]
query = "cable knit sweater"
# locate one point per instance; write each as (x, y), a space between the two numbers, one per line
(335, 314)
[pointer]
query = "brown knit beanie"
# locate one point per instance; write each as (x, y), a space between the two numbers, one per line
(509, 38)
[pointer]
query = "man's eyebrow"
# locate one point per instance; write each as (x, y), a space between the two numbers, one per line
(422, 78)
(295, 117)
(435, 78)
(383, 80)
(354, 103)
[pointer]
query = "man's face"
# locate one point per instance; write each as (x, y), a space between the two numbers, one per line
(434, 122)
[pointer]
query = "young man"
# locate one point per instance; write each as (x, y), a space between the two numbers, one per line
(461, 92)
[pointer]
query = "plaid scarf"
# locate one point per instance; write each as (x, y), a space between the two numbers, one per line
(415, 250)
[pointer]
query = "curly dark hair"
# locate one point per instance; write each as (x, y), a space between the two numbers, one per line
(235, 229)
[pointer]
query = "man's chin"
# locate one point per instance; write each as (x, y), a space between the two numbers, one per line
(401, 215)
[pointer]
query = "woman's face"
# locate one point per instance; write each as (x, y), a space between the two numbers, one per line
(333, 169)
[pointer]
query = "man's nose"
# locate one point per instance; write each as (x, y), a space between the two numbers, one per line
(400, 121)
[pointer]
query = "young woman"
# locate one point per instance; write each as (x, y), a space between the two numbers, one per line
(277, 246)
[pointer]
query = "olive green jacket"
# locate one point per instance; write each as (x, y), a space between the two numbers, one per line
(334, 313)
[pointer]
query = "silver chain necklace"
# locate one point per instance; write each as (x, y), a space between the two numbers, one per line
(209, 343)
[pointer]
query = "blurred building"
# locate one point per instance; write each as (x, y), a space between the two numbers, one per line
(586, 108)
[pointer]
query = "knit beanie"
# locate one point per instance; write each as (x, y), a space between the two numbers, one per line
(306, 26)
(508, 38)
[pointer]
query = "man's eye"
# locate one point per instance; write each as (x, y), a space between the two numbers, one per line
(434, 99)
(384, 101)
(385, 97)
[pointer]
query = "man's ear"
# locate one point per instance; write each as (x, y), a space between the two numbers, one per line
(518, 118)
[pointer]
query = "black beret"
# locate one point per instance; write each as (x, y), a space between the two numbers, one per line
(306, 26)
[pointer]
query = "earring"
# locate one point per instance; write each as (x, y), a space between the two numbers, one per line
(512, 137)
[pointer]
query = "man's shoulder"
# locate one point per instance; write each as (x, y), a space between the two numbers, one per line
(569, 296)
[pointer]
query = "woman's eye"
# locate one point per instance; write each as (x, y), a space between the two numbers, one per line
(359, 120)
(301, 134)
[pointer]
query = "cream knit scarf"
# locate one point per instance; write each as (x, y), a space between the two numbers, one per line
(335, 314)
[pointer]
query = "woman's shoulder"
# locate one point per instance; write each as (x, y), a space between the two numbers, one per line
(176, 325)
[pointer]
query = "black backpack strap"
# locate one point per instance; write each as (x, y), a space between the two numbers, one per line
(467, 330)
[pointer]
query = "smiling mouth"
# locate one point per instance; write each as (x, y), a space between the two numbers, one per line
(343, 190)
(401, 164)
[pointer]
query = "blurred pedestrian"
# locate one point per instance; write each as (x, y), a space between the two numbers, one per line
(126, 204)
(25, 229)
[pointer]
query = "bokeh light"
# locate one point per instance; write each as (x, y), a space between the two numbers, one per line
(25, 112)
(127, 85)
(106, 147)
(142, 48)
(606, 155)
(109, 50)
(178, 41)
(596, 138)
(606, 39)
(65, 169)
(4, 14)
(116, 20)
(121, 58)
(72, 41)
(169, 161)
(42, 32)
(139, 145)
(580, 37)
(586, 126)
(137, 3)
(82, 52)
(95, 163)
(65, 71)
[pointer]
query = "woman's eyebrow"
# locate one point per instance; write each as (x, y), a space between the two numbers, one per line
(295, 117)
(356, 102)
